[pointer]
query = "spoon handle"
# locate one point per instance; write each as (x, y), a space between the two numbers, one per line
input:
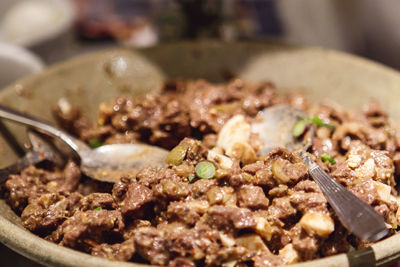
(357, 216)
(43, 127)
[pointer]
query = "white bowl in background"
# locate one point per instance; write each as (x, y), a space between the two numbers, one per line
(32, 22)
(16, 62)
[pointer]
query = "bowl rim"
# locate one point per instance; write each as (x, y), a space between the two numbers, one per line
(33, 247)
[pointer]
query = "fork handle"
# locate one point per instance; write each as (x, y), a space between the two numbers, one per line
(357, 216)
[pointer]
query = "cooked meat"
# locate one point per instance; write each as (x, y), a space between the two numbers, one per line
(251, 196)
(248, 210)
(118, 252)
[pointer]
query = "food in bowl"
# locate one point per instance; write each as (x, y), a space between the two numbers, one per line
(219, 201)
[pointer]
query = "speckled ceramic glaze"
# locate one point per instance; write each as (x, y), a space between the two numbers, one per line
(91, 79)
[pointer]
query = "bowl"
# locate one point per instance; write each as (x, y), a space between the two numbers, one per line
(43, 20)
(88, 80)
(17, 62)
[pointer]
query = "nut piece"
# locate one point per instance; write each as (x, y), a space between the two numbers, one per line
(215, 195)
(226, 240)
(64, 105)
(354, 161)
(235, 130)
(225, 195)
(199, 206)
(263, 228)
(243, 152)
(223, 161)
(367, 170)
(289, 254)
(382, 191)
(252, 242)
(318, 223)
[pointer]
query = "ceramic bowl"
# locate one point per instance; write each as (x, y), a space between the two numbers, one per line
(61, 13)
(88, 80)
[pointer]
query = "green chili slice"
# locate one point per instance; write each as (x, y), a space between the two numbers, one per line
(205, 170)
(326, 158)
(177, 155)
(97, 208)
(95, 142)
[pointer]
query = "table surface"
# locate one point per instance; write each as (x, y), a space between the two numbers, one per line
(11, 258)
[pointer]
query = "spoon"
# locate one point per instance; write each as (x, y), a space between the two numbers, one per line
(106, 163)
(275, 129)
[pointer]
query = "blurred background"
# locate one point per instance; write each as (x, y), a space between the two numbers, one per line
(58, 29)
(36, 33)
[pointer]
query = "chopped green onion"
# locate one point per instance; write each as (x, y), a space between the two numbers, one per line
(326, 158)
(300, 127)
(317, 121)
(205, 170)
(191, 177)
(97, 209)
(320, 123)
(95, 142)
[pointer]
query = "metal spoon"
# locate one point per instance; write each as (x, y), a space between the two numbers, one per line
(106, 163)
(275, 129)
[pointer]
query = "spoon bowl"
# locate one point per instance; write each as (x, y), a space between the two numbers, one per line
(109, 162)
(275, 125)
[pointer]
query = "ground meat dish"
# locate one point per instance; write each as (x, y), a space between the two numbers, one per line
(255, 210)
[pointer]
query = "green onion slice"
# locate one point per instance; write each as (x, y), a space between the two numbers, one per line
(326, 158)
(320, 123)
(94, 143)
(299, 127)
(205, 170)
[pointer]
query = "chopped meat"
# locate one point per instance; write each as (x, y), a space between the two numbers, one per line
(116, 252)
(195, 243)
(29, 184)
(152, 246)
(267, 259)
(307, 247)
(171, 190)
(281, 208)
(188, 212)
(230, 217)
(150, 177)
(181, 262)
(303, 201)
(72, 174)
(48, 212)
(136, 196)
(93, 225)
(96, 200)
(251, 196)
(366, 192)
(307, 186)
